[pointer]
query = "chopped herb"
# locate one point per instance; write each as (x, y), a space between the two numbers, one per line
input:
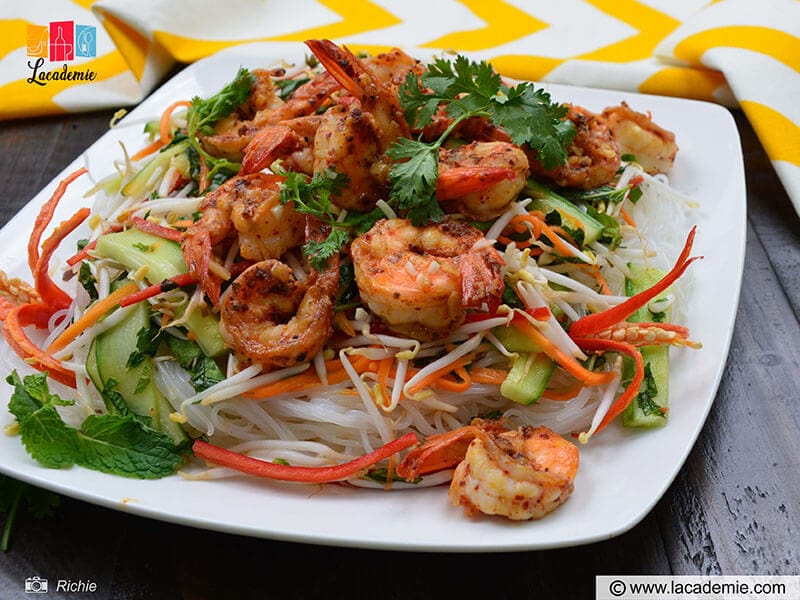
(144, 247)
(348, 290)
(287, 87)
(82, 243)
(203, 370)
(314, 198)
(510, 297)
(648, 391)
(88, 280)
(281, 461)
(200, 119)
(147, 342)
(628, 157)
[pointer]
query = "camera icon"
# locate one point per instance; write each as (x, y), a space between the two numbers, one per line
(36, 585)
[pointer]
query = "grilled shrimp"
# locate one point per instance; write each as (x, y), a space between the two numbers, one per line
(263, 108)
(355, 135)
(492, 201)
(422, 280)
(593, 157)
(250, 206)
(635, 133)
(523, 474)
(520, 474)
(267, 317)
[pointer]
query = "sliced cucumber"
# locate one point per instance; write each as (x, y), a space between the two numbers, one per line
(108, 360)
(648, 409)
(527, 378)
(516, 341)
(546, 200)
(139, 184)
(163, 258)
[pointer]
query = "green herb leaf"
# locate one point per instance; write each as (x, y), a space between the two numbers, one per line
(113, 443)
(87, 280)
(147, 341)
(647, 394)
(124, 446)
(287, 87)
(203, 370)
(202, 114)
(318, 253)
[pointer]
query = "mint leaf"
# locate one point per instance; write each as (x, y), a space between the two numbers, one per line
(124, 446)
(113, 443)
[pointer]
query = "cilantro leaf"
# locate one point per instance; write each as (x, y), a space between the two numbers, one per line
(647, 394)
(203, 113)
(468, 89)
(287, 87)
(313, 197)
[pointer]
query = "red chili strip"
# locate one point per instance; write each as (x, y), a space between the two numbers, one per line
(157, 230)
(597, 322)
(260, 468)
(49, 292)
(541, 313)
(158, 288)
(38, 314)
(45, 216)
(621, 403)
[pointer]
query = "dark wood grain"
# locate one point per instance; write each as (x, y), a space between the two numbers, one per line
(733, 509)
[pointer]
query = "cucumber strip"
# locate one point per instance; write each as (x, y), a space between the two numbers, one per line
(163, 258)
(648, 408)
(546, 200)
(138, 185)
(108, 360)
(527, 378)
(516, 341)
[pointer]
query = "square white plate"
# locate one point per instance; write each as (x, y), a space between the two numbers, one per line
(623, 473)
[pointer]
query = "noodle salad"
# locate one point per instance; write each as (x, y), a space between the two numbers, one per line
(364, 270)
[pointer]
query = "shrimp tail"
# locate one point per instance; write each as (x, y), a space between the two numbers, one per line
(266, 146)
(341, 63)
(456, 182)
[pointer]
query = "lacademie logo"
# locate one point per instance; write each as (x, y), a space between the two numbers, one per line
(60, 41)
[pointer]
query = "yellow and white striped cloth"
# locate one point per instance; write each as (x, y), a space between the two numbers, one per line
(742, 53)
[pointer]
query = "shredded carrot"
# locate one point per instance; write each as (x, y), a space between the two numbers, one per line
(451, 385)
(90, 317)
(434, 377)
(561, 395)
(45, 216)
(628, 219)
(538, 227)
(486, 375)
(148, 150)
(164, 131)
(384, 367)
(157, 230)
(594, 271)
(567, 362)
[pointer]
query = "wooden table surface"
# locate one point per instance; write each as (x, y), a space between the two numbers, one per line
(733, 509)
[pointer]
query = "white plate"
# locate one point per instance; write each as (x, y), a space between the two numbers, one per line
(623, 473)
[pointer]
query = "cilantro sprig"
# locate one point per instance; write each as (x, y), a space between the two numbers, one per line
(313, 197)
(203, 114)
(468, 89)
